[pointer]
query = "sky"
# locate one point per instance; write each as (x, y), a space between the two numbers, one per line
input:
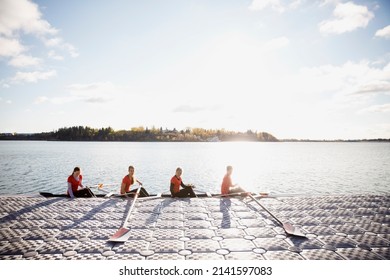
(302, 69)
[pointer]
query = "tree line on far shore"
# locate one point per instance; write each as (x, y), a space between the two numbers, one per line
(141, 134)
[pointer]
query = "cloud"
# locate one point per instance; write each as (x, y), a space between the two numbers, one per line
(259, 5)
(276, 5)
(60, 44)
(384, 108)
(349, 79)
(94, 93)
(7, 101)
(346, 18)
(295, 4)
(33, 77)
(21, 17)
(92, 87)
(53, 42)
(22, 60)
(100, 92)
(71, 49)
(374, 87)
(327, 2)
(41, 99)
(384, 32)
(53, 55)
(13, 49)
(10, 47)
(342, 89)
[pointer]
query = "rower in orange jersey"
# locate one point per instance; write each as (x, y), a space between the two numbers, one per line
(176, 183)
(75, 180)
(130, 180)
(227, 186)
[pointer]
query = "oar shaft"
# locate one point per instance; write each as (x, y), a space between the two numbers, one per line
(131, 207)
(230, 194)
(262, 206)
(150, 197)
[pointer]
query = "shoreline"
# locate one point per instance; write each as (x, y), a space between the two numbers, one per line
(380, 140)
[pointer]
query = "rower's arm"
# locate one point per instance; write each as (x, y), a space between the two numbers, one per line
(182, 184)
(139, 182)
(70, 191)
(171, 188)
(123, 188)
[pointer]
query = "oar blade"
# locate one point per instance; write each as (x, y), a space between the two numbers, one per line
(109, 194)
(290, 229)
(122, 235)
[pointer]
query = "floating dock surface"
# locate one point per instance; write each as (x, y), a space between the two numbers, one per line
(336, 228)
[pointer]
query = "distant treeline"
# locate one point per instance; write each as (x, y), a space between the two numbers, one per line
(85, 133)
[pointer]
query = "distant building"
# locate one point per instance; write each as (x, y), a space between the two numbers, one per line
(213, 139)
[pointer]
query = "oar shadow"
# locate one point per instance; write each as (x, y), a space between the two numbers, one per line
(224, 207)
(153, 217)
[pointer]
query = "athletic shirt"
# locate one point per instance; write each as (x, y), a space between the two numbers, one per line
(75, 184)
(128, 182)
(226, 184)
(176, 184)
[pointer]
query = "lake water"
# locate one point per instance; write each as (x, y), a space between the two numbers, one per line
(288, 168)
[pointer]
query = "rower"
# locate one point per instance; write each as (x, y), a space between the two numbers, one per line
(74, 182)
(227, 186)
(130, 180)
(176, 183)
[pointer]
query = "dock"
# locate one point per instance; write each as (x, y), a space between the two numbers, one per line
(336, 227)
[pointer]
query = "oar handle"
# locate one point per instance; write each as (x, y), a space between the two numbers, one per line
(101, 185)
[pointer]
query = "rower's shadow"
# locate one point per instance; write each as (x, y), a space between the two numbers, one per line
(16, 214)
(96, 210)
(157, 210)
(224, 207)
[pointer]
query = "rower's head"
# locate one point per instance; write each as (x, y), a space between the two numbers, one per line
(76, 171)
(131, 170)
(229, 169)
(179, 171)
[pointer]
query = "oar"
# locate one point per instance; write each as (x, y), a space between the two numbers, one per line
(93, 195)
(232, 194)
(288, 228)
(276, 195)
(109, 194)
(123, 233)
(208, 194)
(151, 197)
(101, 185)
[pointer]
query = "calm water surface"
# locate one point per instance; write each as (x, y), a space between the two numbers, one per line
(290, 168)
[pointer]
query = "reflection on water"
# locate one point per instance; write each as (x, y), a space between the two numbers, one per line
(313, 168)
